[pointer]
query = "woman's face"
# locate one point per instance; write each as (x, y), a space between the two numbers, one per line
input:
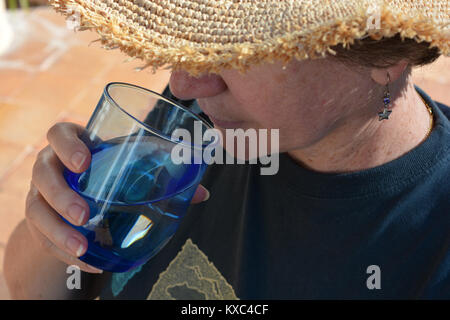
(306, 101)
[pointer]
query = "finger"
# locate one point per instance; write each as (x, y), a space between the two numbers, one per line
(201, 194)
(47, 177)
(37, 212)
(51, 249)
(70, 149)
(48, 222)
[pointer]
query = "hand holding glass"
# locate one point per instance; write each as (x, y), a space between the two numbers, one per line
(136, 193)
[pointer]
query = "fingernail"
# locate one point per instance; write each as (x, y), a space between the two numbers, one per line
(94, 269)
(76, 213)
(75, 245)
(206, 196)
(78, 159)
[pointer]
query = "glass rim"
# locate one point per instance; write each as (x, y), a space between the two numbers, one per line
(146, 126)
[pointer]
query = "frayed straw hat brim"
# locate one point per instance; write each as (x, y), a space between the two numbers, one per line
(205, 36)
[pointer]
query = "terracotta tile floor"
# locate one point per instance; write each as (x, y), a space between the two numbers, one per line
(52, 75)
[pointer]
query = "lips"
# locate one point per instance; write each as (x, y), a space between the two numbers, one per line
(227, 124)
(218, 120)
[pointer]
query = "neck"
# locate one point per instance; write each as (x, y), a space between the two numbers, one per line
(363, 144)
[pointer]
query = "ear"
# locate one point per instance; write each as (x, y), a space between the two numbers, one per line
(380, 75)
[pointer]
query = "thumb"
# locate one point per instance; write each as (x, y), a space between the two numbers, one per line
(201, 194)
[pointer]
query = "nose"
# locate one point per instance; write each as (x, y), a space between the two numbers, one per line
(187, 87)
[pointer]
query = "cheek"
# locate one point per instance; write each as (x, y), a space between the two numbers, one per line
(281, 109)
(300, 108)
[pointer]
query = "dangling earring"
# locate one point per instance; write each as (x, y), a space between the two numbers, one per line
(387, 101)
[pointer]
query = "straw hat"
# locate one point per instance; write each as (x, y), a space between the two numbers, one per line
(208, 35)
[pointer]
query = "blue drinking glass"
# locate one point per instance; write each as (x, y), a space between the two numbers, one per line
(136, 191)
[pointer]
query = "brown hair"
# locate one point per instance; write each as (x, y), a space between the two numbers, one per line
(386, 52)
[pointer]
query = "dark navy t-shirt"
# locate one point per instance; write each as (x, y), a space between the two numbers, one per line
(381, 233)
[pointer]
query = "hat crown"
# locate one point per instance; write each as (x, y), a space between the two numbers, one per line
(201, 35)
